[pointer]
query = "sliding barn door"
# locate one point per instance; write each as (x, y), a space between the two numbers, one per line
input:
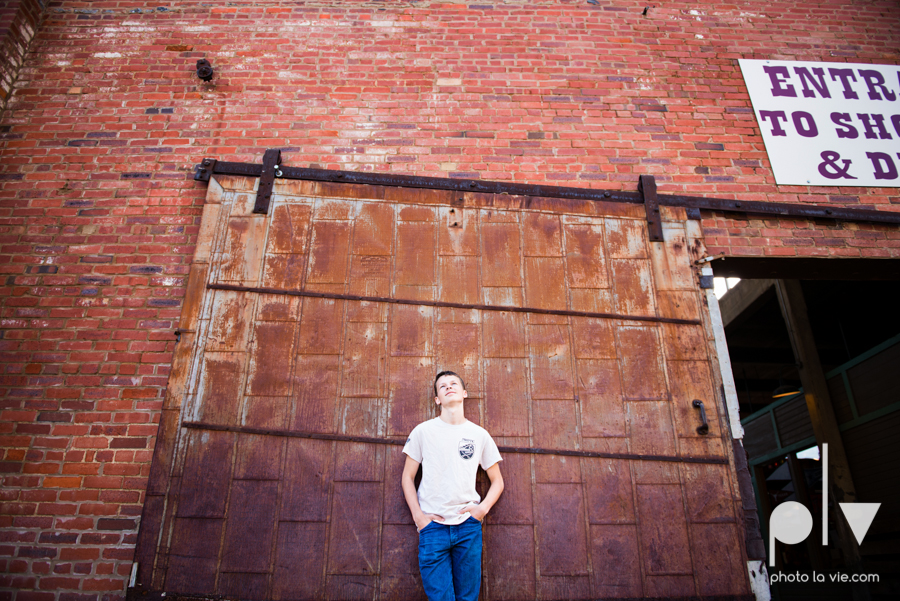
(308, 344)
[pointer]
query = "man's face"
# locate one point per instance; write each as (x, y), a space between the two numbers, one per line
(450, 389)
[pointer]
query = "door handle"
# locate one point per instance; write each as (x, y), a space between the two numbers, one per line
(703, 428)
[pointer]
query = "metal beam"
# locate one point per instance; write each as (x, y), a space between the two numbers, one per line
(741, 297)
(692, 203)
(821, 412)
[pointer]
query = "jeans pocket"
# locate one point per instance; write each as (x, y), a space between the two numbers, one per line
(428, 525)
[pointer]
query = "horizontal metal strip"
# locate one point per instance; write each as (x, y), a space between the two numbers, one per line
(403, 301)
(801, 211)
(504, 449)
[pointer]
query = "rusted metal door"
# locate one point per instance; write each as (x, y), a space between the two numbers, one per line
(308, 343)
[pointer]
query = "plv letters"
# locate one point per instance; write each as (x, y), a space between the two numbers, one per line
(791, 522)
(828, 124)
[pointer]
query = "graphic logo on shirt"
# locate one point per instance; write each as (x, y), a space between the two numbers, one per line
(466, 448)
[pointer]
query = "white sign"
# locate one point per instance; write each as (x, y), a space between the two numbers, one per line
(828, 124)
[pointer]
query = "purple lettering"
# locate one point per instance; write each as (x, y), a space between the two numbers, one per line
(845, 76)
(774, 116)
(820, 86)
(883, 165)
(895, 120)
(875, 79)
(775, 76)
(808, 129)
(870, 128)
(843, 120)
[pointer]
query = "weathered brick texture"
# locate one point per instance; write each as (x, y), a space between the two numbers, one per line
(99, 212)
(19, 20)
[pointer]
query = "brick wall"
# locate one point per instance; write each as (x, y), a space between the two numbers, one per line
(19, 20)
(99, 213)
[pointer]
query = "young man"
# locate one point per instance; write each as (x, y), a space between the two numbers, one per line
(447, 509)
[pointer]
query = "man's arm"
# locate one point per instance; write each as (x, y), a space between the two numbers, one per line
(408, 484)
(479, 511)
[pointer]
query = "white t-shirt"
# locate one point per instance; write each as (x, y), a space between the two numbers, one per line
(450, 456)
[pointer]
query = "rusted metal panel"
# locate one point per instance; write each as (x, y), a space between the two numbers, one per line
(321, 327)
(515, 505)
(242, 585)
(632, 287)
(204, 486)
(551, 362)
(163, 452)
(250, 526)
(415, 257)
(504, 335)
(374, 230)
(671, 260)
(505, 384)
(232, 315)
(395, 509)
(542, 235)
(458, 345)
(191, 575)
(364, 358)
(669, 586)
(355, 516)
(242, 256)
(545, 286)
(410, 394)
(266, 412)
(299, 568)
(370, 275)
(616, 561)
(625, 239)
(607, 485)
(664, 537)
(690, 380)
(717, 559)
(359, 461)
(593, 338)
(275, 307)
(329, 252)
(354, 587)
(400, 562)
(641, 353)
(555, 428)
(562, 539)
(305, 383)
(458, 232)
(707, 493)
(315, 392)
(411, 331)
(585, 256)
(288, 237)
(271, 355)
(501, 254)
(599, 394)
(509, 562)
(258, 458)
(460, 283)
(221, 382)
(306, 480)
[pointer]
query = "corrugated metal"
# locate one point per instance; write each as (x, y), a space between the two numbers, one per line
(792, 421)
(874, 381)
(759, 437)
(255, 516)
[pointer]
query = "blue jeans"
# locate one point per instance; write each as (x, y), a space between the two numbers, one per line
(450, 561)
